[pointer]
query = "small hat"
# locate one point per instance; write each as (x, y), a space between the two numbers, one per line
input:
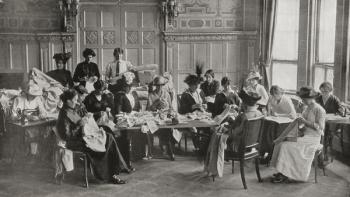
(192, 80)
(307, 92)
(254, 75)
(34, 90)
(248, 97)
(62, 56)
(159, 81)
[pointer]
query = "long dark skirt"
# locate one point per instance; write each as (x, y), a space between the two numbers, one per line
(104, 164)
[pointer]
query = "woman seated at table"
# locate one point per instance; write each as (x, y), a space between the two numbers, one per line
(159, 100)
(29, 107)
(125, 102)
(279, 104)
(192, 100)
(82, 94)
(293, 159)
(226, 96)
(98, 101)
(61, 74)
(229, 135)
(329, 101)
(253, 84)
(105, 165)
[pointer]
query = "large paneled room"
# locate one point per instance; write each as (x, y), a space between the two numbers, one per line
(172, 98)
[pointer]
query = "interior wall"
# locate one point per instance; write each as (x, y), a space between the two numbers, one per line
(221, 34)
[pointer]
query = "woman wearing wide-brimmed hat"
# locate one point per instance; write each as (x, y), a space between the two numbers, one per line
(60, 74)
(292, 159)
(86, 71)
(253, 84)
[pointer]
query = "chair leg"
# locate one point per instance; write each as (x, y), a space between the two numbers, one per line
(242, 173)
(257, 169)
(315, 166)
(233, 166)
(86, 172)
(185, 143)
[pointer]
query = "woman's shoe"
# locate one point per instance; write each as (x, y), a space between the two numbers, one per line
(172, 157)
(280, 179)
(116, 180)
(277, 174)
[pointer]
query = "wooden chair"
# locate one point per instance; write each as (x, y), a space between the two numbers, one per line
(319, 158)
(247, 149)
(78, 154)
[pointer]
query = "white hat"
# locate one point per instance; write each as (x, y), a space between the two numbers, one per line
(253, 75)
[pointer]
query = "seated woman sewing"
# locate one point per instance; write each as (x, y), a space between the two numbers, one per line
(159, 100)
(229, 134)
(105, 165)
(29, 107)
(293, 158)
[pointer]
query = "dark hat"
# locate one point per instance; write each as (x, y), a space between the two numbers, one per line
(100, 85)
(248, 97)
(192, 80)
(88, 52)
(307, 92)
(118, 51)
(81, 89)
(62, 56)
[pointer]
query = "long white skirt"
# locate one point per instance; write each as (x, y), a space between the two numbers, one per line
(294, 159)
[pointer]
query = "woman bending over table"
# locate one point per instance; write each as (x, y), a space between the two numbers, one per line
(279, 104)
(106, 165)
(293, 159)
(159, 100)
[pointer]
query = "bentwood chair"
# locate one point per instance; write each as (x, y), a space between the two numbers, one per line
(248, 147)
(318, 161)
(78, 154)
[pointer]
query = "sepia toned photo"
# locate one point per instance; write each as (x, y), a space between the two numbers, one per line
(175, 98)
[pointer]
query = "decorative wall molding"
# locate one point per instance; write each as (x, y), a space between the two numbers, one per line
(65, 37)
(209, 36)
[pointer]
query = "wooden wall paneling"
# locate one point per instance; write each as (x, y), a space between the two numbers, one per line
(33, 55)
(4, 55)
(18, 56)
(44, 54)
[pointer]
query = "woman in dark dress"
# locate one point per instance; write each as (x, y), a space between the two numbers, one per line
(227, 96)
(210, 87)
(86, 70)
(329, 101)
(98, 101)
(61, 74)
(105, 165)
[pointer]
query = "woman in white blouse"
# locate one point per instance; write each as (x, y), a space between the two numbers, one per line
(279, 104)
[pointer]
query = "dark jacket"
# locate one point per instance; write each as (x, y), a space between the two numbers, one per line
(95, 106)
(85, 69)
(332, 105)
(187, 101)
(210, 89)
(221, 99)
(122, 103)
(62, 76)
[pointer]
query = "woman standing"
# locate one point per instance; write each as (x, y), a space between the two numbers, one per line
(106, 165)
(86, 71)
(293, 159)
(61, 74)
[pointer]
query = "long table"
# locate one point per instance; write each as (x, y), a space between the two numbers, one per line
(182, 125)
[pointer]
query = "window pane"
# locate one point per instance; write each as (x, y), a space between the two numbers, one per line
(319, 77)
(285, 75)
(329, 76)
(326, 37)
(285, 45)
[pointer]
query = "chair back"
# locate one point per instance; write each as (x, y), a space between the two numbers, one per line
(251, 132)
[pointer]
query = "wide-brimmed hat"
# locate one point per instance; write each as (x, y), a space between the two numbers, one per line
(307, 92)
(62, 56)
(81, 89)
(250, 98)
(159, 81)
(34, 90)
(192, 80)
(254, 75)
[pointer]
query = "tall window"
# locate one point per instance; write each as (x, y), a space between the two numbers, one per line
(285, 45)
(325, 42)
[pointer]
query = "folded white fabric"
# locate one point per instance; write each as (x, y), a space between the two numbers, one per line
(94, 136)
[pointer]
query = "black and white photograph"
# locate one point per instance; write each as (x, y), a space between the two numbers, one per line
(175, 98)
